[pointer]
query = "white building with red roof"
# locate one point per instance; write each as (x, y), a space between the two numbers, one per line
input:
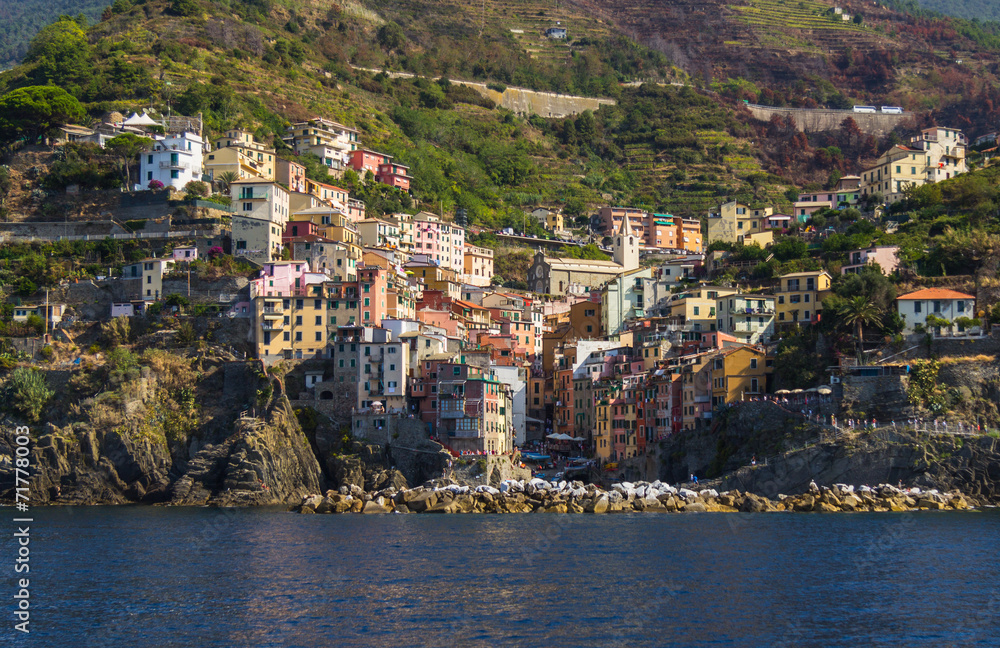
(940, 303)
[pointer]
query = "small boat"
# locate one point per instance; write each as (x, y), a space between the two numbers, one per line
(534, 456)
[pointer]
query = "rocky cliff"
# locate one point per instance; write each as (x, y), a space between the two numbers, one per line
(189, 431)
(791, 453)
(970, 465)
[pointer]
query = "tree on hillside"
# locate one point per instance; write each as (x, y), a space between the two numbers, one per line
(126, 147)
(857, 312)
(33, 111)
(61, 53)
(390, 36)
(225, 180)
(184, 7)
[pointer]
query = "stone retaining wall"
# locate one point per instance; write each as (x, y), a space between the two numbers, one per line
(818, 120)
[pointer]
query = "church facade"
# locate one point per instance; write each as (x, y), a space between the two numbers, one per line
(559, 276)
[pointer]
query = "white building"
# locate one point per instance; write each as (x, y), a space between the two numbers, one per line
(943, 304)
(750, 318)
(516, 378)
(376, 232)
(175, 160)
(329, 141)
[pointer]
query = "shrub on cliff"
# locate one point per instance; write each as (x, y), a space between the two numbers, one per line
(28, 392)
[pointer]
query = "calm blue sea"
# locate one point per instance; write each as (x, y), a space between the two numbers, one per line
(162, 577)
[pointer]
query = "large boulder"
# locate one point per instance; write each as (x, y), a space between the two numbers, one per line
(374, 507)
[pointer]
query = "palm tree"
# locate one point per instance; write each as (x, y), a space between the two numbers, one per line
(225, 179)
(857, 312)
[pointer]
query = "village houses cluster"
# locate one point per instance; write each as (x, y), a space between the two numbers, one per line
(608, 355)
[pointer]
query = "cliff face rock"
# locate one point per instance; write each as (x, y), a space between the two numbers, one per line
(266, 461)
(82, 465)
(408, 457)
(967, 464)
(752, 429)
(236, 446)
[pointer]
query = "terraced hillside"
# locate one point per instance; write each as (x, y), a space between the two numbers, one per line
(781, 43)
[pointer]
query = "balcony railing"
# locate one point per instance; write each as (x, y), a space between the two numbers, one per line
(272, 325)
(175, 165)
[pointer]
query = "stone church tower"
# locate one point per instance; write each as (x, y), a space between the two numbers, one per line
(625, 246)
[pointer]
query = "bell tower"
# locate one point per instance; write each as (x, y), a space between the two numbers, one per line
(625, 246)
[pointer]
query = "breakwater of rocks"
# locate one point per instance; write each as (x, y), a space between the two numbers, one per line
(539, 496)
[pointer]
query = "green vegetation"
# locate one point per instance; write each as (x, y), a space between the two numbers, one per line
(30, 112)
(22, 20)
(589, 251)
(28, 392)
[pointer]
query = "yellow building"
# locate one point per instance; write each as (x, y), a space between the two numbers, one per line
(799, 297)
(290, 327)
(332, 223)
(739, 373)
(554, 222)
(936, 154)
(239, 153)
(735, 222)
(437, 277)
(697, 306)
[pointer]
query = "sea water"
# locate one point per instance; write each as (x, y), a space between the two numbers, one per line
(164, 577)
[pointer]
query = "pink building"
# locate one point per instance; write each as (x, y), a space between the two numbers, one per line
(363, 160)
(778, 222)
(295, 229)
(442, 243)
(372, 297)
(809, 203)
(280, 279)
(291, 174)
(442, 320)
(394, 175)
(884, 256)
(355, 210)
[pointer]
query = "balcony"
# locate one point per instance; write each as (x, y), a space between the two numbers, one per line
(254, 196)
(269, 325)
(175, 165)
(452, 409)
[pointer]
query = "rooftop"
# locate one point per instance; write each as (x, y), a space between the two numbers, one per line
(935, 293)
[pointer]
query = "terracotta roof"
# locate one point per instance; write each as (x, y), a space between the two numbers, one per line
(466, 304)
(935, 293)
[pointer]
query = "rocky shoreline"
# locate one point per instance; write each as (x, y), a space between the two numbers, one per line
(539, 496)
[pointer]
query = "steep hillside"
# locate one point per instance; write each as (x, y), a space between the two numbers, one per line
(970, 9)
(242, 69)
(681, 148)
(20, 20)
